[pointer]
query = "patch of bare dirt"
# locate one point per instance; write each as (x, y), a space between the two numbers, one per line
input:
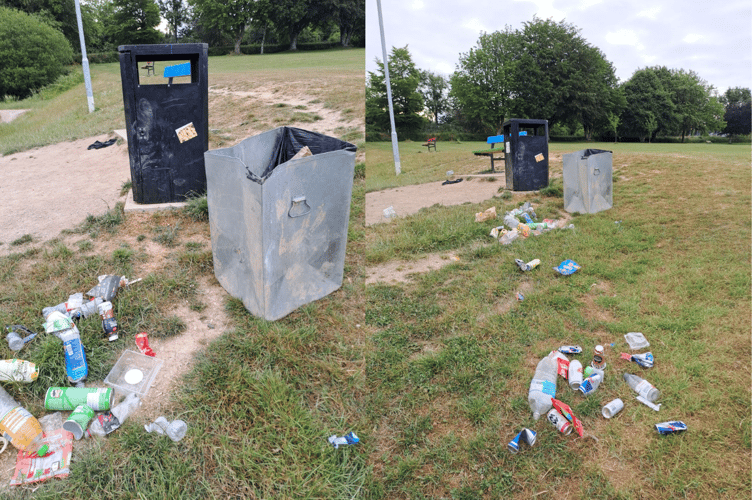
(402, 271)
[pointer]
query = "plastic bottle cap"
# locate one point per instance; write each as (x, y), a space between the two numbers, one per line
(42, 451)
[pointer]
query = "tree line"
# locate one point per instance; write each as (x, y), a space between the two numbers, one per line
(547, 70)
(51, 30)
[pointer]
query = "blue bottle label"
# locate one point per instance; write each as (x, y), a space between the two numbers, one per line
(75, 360)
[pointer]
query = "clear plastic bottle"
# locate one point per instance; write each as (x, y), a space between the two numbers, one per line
(105, 423)
(20, 427)
(542, 387)
(642, 387)
(75, 358)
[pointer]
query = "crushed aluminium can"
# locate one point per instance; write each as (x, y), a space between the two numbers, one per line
(524, 436)
(527, 266)
(570, 349)
(671, 427)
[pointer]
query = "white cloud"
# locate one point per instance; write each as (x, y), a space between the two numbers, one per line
(624, 37)
(545, 9)
(417, 5)
(651, 13)
(586, 4)
(475, 25)
(693, 38)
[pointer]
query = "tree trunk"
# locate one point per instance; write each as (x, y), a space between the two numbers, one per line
(682, 136)
(294, 42)
(263, 39)
(237, 44)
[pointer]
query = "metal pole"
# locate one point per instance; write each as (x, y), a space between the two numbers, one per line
(84, 60)
(395, 147)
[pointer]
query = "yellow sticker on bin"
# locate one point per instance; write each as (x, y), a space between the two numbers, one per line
(186, 132)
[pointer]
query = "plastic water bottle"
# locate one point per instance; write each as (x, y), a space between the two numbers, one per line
(175, 430)
(642, 387)
(542, 387)
(75, 358)
(20, 427)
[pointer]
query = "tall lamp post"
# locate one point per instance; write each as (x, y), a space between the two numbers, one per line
(395, 147)
(84, 60)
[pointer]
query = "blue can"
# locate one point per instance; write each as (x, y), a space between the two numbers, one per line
(671, 427)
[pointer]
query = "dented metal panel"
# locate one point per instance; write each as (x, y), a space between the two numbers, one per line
(588, 181)
(279, 231)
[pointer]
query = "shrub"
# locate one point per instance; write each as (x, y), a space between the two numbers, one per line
(32, 53)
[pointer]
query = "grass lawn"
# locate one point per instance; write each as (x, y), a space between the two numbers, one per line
(451, 355)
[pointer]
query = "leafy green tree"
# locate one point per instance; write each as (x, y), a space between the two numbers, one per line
(291, 17)
(350, 17)
(61, 15)
(407, 101)
(482, 86)
(560, 77)
(230, 17)
(434, 88)
(738, 113)
(649, 106)
(135, 22)
(176, 12)
(32, 53)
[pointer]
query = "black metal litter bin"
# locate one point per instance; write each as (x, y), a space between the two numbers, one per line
(526, 155)
(166, 119)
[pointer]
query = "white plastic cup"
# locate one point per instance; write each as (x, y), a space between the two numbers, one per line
(613, 408)
(559, 421)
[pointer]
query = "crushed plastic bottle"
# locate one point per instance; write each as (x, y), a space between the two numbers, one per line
(75, 357)
(542, 387)
(106, 422)
(509, 237)
(175, 430)
(68, 308)
(20, 427)
(18, 370)
(642, 387)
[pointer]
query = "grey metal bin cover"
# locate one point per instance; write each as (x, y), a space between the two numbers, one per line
(588, 184)
(279, 226)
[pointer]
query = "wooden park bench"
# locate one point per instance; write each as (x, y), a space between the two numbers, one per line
(431, 143)
(494, 154)
(149, 67)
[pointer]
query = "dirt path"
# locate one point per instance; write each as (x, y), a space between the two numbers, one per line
(407, 200)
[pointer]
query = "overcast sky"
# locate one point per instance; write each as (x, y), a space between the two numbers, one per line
(711, 38)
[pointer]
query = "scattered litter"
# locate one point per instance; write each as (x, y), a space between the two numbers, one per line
(107, 288)
(511, 221)
(68, 398)
(599, 358)
(33, 468)
(509, 237)
(107, 422)
(647, 403)
(526, 217)
(612, 408)
(527, 266)
(588, 371)
(18, 370)
(567, 267)
(524, 230)
(542, 387)
(19, 426)
(75, 357)
(590, 384)
(558, 421)
(15, 341)
(79, 420)
(520, 297)
(302, 153)
(349, 438)
(389, 213)
(574, 374)
(109, 323)
(175, 430)
(570, 349)
(498, 232)
(562, 363)
(642, 387)
(671, 427)
(645, 360)
(567, 412)
(125, 380)
(636, 340)
(100, 145)
(142, 342)
(524, 436)
(51, 422)
(487, 214)
(455, 181)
